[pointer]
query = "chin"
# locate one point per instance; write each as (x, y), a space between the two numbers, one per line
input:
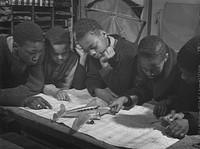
(60, 63)
(32, 63)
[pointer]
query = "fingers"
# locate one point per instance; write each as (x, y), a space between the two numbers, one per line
(155, 111)
(109, 52)
(67, 98)
(160, 111)
(177, 116)
(47, 105)
(115, 106)
(177, 129)
(60, 95)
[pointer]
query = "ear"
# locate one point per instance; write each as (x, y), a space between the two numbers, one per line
(104, 33)
(15, 46)
(166, 57)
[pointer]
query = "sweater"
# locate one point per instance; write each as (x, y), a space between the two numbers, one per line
(119, 76)
(17, 79)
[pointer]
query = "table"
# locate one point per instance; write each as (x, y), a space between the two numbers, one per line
(33, 123)
(188, 142)
(135, 128)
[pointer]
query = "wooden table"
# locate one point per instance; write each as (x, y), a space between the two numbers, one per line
(53, 133)
(188, 142)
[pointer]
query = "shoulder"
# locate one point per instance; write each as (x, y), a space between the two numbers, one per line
(126, 48)
(4, 45)
(3, 41)
(73, 55)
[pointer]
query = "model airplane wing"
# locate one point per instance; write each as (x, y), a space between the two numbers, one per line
(59, 113)
(63, 113)
(93, 102)
(78, 122)
(82, 114)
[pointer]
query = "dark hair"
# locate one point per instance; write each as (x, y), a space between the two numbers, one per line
(83, 26)
(188, 57)
(27, 31)
(57, 35)
(152, 47)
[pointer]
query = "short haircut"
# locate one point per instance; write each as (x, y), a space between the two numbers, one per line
(84, 26)
(189, 55)
(151, 47)
(58, 35)
(27, 31)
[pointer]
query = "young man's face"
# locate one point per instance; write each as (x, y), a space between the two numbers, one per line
(60, 53)
(30, 52)
(188, 77)
(152, 67)
(94, 45)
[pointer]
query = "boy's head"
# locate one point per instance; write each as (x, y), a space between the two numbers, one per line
(28, 42)
(152, 55)
(90, 36)
(58, 44)
(188, 60)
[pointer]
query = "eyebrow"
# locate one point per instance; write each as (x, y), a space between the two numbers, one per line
(91, 45)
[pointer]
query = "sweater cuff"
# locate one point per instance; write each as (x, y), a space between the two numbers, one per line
(132, 101)
(105, 71)
(193, 128)
(7, 99)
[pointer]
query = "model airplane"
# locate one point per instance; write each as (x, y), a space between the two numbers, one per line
(82, 114)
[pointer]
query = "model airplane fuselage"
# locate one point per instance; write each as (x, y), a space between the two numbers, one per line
(82, 114)
(77, 111)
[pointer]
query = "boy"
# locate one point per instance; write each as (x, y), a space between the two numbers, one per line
(156, 74)
(185, 121)
(63, 68)
(110, 60)
(21, 74)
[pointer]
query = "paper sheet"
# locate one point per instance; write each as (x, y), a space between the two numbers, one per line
(134, 128)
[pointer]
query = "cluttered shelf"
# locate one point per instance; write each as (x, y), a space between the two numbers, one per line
(46, 14)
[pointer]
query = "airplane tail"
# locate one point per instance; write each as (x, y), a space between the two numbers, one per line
(59, 113)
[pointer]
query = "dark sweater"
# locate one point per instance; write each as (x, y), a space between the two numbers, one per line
(70, 74)
(17, 80)
(192, 118)
(118, 78)
(158, 88)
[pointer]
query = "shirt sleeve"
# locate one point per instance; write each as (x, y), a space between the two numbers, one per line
(94, 79)
(192, 118)
(79, 78)
(34, 85)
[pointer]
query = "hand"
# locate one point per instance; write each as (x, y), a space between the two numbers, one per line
(62, 95)
(161, 108)
(105, 94)
(108, 53)
(117, 104)
(178, 128)
(82, 54)
(36, 102)
(167, 120)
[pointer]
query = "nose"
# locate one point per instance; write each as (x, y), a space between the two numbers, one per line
(60, 57)
(93, 53)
